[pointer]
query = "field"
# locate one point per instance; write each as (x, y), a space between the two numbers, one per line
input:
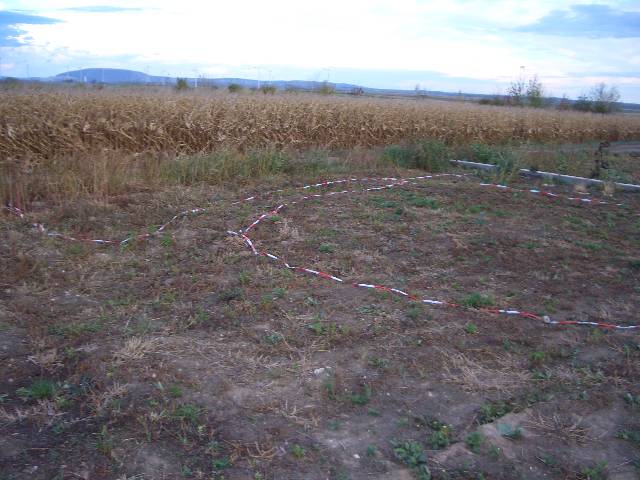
(43, 125)
(181, 354)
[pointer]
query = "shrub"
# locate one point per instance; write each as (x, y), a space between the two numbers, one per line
(326, 88)
(268, 89)
(429, 155)
(234, 87)
(182, 84)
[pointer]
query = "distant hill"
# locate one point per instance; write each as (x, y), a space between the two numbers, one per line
(117, 76)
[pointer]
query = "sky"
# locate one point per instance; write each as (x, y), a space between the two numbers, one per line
(475, 46)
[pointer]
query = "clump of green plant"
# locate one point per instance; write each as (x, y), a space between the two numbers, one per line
(273, 338)
(477, 300)
(492, 411)
(509, 431)
(415, 312)
(104, 442)
(632, 436)
(234, 87)
(220, 463)
(430, 155)
(474, 441)
(412, 454)
(187, 413)
(174, 390)
(597, 472)
(298, 451)
(326, 248)
(379, 362)
(471, 328)
(441, 436)
(41, 389)
(632, 400)
(362, 397)
(229, 294)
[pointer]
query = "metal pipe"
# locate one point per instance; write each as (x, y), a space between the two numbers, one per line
(568, 179)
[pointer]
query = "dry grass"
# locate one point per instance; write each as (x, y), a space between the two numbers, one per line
(499, 373)
(137, 348)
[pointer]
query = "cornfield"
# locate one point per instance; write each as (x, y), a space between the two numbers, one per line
(50, 124)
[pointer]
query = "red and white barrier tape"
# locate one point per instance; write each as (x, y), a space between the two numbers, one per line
(242, 233)
(395, 182)
(544, 193)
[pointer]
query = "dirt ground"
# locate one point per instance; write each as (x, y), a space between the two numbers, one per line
(186, 356)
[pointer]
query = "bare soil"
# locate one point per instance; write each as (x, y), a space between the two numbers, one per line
(185, 356)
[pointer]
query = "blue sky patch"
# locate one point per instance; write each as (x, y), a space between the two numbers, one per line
(591, 21)
(9, 26)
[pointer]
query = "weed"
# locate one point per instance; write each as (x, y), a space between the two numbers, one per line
(273, 338)
(104, 443)
(492, 411)
(298, 451)
(279, 292)
(363, 397)
(174, 391)
(477, 300)
(379, 362)
(471, 328)
(509, 431)
(220, 463)
(632, 400)
(593, 246)
(403, 422)
(326, 248)
(329, 386)
(441, 438)
(372, 451)
(632, 436)
(495, 452)
(597, 472)
(187, 413)
(166, 240)
(415, 312)
(76, 249)
(75, 329)
(230, 294)
(244, 278)
(537, 358)
(412, 454)
(40, 389)
(334, 425)
(474, 441)
(318, 328)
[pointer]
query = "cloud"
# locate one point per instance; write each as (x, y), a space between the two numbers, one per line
(10, 29)
(591, 21)
(102, 9)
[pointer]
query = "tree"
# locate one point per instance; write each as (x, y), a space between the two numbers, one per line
(583, 104)
(604, 98)
(600, 99)
(181, 84)
(516, 92)
(535, 92)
